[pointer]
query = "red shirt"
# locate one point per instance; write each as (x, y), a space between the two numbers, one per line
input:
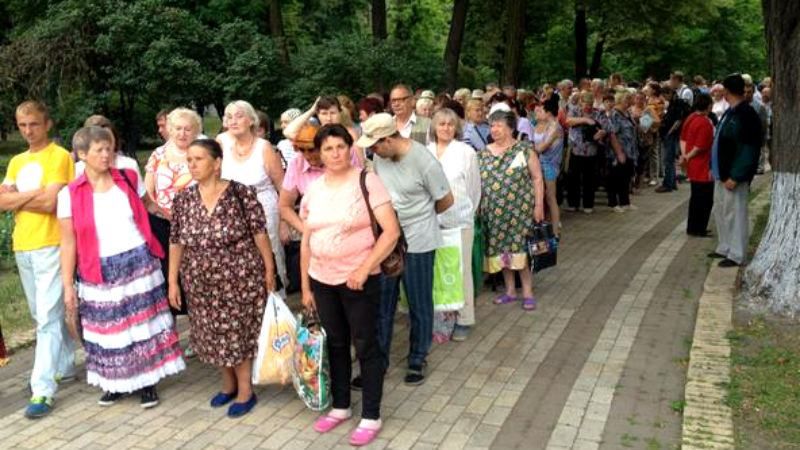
(698, 132)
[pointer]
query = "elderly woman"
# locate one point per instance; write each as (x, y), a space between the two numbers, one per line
(513, 199)
(720, 105)
(622, 153)
(424, 107)
(250, 160)
(476, 130)
(118, 161)
(285, 148)
(167, 173)
(460, 165)
(130, 341)
(548, 142)
(219, 243)
(341, 275)
(585, 131)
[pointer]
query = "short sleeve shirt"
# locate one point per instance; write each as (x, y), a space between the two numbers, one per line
(340, 228)
(30, 171)
(415, 183)
(169, 177)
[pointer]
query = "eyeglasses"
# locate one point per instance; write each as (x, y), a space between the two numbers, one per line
(399, 99)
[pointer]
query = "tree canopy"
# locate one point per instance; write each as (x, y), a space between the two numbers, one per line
(127, 59)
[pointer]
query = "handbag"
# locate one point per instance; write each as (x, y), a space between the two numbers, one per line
(394, 264)
(542, 246)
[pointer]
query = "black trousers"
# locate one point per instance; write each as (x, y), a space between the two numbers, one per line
(700, 204)
(619, 183)
(351, 316)
(161, 228)
(581, 181)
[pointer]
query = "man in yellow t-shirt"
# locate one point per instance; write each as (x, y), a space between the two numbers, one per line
(29, 190)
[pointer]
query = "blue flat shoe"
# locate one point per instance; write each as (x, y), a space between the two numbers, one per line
(222, 399)
(240, 409)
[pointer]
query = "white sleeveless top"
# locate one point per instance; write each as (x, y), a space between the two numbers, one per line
(250, 171)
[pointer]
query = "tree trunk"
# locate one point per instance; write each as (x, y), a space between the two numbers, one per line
(276, 30)
(379, 20)
(453, 50)
(581, 37)
(597, 56)
(772, 280)
(515, 41)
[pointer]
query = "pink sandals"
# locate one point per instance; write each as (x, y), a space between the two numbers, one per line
(327, 423)
(363, 436)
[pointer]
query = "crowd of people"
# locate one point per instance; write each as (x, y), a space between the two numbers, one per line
(321, 204)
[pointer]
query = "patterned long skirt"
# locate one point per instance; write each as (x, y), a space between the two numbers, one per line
(128, 331)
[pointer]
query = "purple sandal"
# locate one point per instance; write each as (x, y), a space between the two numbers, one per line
(529, 303)
(504, 299)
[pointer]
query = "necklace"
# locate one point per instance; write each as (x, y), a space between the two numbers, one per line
(237, 149)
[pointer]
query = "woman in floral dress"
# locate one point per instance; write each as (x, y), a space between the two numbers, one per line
(512, 199)
(219, 241)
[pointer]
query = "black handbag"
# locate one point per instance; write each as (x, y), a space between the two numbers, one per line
(542, 245)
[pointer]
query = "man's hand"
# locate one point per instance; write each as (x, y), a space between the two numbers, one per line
(730, 184)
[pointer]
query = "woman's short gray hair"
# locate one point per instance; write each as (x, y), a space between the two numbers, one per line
(446, 115)
(187, 114)
(506, 117)
(83, 138)
(247, 109)
(291, 114)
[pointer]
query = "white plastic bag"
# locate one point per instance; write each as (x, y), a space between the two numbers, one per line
(276, 342)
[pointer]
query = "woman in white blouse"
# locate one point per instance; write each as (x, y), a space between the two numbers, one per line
(460, 165)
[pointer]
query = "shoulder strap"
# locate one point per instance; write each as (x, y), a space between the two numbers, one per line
(365, 194)
(128, 180)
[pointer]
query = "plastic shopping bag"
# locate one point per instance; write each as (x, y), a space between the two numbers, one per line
(275, 358)
(448, 274)
(312, 379)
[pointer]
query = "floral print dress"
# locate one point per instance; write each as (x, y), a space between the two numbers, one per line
(222, 272)
(506, 206)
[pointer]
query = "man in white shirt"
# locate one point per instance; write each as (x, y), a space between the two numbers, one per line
(680, 88)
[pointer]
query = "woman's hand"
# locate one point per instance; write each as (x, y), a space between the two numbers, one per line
(357, 278)
(269, 278)
(308, 300)
(174, 295)
(283, 232)
(538, 213)
(70, 298)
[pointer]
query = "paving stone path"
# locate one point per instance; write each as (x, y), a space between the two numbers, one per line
(600, 364)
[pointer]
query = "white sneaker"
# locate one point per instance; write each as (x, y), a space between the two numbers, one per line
(618, 209)
(588, 210)
(653, 183)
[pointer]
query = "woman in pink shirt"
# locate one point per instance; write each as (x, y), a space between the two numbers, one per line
(340, 267)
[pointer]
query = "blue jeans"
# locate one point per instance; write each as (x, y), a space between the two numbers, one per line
(669, 153)
(418, 282)
(40, 273)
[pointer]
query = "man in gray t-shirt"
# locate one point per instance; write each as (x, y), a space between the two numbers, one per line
(419, 190)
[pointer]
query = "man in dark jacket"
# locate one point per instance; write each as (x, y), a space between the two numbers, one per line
(734, 161)
(670, 132)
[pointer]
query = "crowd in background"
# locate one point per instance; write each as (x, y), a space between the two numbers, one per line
(324, 203)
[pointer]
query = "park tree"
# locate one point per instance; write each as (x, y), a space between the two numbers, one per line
(772, 279)
(516, 11)
(454, 39)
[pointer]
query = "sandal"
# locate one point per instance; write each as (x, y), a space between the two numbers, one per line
(529, 303)
(327, 423)
(504, 299)
(363, 436)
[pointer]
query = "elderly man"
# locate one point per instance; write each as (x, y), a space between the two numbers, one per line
(734, 160)
(409, 125)
(29, 190)
(419, 190)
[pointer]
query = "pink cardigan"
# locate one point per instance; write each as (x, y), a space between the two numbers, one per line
(81, 196)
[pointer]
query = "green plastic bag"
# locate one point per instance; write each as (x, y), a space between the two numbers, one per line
(448, 277)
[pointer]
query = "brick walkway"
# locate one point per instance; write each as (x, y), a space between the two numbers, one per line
(600, 364)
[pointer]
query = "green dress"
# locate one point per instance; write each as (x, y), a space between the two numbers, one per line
(506, 206)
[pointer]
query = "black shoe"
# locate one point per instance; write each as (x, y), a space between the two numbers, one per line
(149, 397)
(704, 234)
(109, 398)
(662, 189)
(716, 255)
(728, 263)
(357, 383)
(415, 375)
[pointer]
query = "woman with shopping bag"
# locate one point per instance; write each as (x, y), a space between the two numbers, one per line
(219, 244)
(460, 164)
(340, 270)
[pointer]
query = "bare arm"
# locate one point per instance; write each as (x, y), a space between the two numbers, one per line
(295, 125)
(68, 256)
(535, 170)
(444, 203)
(13, 200)
(272, 165)
(44, 201)
(574, 121)
(265, 249)
(175, 257)
(305, 280)
(286, 203)
(552, 135)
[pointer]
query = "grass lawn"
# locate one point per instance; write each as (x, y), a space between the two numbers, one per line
(765, 375)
